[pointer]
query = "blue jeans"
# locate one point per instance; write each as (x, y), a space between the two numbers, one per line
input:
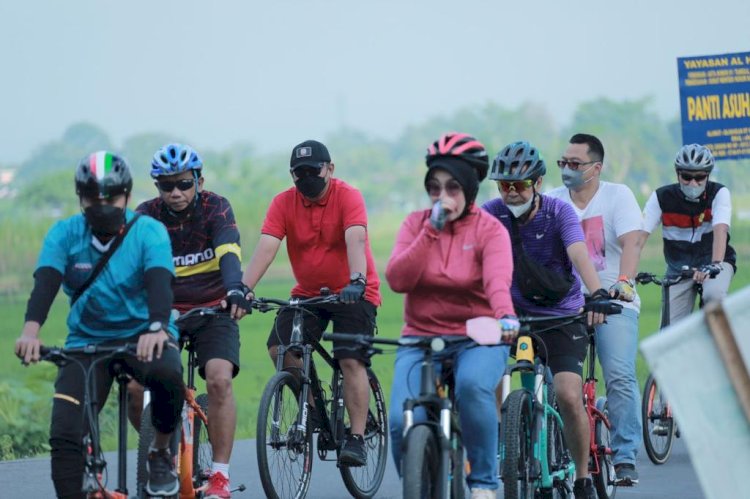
(477, 372)
(617, 345)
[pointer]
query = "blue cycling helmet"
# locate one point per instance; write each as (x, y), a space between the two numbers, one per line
(175, 158)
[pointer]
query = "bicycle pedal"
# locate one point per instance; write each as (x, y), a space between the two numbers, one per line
(240, 488)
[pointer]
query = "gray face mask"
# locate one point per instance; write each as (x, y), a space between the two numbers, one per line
(573, 179)
(692, 191)
(519, 210)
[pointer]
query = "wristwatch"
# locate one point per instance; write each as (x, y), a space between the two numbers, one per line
(358, 276)
(155, 327)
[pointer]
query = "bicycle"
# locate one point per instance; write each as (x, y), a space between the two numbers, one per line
(284, 428)
(191, 445)
(659, 426)
(432, 464)
(533, 459)
(95, 466)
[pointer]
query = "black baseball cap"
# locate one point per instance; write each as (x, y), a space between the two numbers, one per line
(309, 153)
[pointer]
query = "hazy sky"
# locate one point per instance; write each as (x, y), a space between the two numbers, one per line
(275, 73)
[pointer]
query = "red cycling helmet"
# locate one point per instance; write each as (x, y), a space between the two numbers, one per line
(461, 146)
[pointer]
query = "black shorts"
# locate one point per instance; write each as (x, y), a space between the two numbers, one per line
(566, 347)
(216, 337)
(356, 318)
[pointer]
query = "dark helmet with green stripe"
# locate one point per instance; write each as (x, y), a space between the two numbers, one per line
(103, 175)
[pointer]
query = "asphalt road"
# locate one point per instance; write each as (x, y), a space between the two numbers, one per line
(30, 478)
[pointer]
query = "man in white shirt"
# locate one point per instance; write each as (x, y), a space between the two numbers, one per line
(611, 221)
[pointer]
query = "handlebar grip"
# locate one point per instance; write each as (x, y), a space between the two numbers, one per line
(609, 307)
(351, 338)
(644, 277)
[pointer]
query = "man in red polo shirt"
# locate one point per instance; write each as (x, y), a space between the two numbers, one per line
(325, 222)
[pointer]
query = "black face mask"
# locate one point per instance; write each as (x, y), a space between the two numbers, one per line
(104, 220)
(310, 186)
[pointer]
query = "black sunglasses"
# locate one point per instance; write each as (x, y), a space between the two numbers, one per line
(434, 188)
(184, 184)
(573, 165)
(698, 178)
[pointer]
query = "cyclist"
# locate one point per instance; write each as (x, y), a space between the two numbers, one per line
(129, 301)
(695, 214)
(611, 222)
(454, 263)
(325, 223)
(206, 254)
(551, 237)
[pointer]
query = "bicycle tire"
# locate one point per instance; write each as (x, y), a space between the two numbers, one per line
(420, 463)
(557, 453)
(203, 454)
(281, 479)
(658, 425)
(458, 468)
(363, 482)
(604, 481)
(145, 437)
(517, 452)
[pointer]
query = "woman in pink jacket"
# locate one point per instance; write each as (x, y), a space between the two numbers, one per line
(454, 263)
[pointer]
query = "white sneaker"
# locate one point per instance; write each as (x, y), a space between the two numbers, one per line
(483, 494)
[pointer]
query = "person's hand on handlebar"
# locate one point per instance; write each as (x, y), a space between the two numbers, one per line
(353, 292)
(239, 302)
(623, 289)
(597, 307)
(509, 327)
(28, 344)
(148, 343)
(707, 271)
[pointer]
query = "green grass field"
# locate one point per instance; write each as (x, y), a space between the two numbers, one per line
(32, 409)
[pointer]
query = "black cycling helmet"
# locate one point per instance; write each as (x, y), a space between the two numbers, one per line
(102, 175)
(518, 161)
(459, 146)
(695, 158)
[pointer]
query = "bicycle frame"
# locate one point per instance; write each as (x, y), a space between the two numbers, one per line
(190, 410)
(534, 380)
(593, 413)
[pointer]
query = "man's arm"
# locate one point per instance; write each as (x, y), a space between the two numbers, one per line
(579, 255)
(262, 258)
(720, 242)
(631, 244)
(47, 281)
(356, 243)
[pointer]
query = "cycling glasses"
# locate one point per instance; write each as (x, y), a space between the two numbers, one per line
(184, 184)
(518, 185)
(573, 165)
(451, 187)
(700, 177)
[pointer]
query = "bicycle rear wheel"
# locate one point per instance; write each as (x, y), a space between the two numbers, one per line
(284, 453)
(517, 454)
(604, 480)
(363, 482)
(420, 463)
(202, 452)
(558, 457)
(658, 424)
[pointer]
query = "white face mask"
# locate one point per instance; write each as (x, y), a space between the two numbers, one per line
(519, 210)
(692, 191)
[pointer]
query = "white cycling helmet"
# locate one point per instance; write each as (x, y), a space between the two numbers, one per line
(694, 157)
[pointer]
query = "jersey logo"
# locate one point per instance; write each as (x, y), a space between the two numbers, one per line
(539, 236)
(194, 258)
(83, 266)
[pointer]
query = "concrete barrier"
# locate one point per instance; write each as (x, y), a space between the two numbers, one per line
(701, 363)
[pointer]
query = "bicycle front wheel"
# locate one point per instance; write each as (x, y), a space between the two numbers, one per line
(284, 452)
(420, 463)
(658, 424)
(604, 480)
(517, 453)
(202, 451)
(363, 482)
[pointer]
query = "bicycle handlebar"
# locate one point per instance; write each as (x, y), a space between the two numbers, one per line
(199, 312)
(666, 281)
(56, 355)
(268, 304)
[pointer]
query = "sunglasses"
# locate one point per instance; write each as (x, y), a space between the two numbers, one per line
(184, 184)
(451, 187)
(573, 165)
(518, 185)
(698, 178)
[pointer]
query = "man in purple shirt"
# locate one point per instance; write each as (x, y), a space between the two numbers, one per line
(550, 234)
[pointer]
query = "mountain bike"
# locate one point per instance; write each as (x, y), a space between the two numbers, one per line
(533, 458)
(95, 467)
(432, 464)
(191, 445)
(285, 420)
(659, 426)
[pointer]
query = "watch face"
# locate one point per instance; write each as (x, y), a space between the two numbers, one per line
(155, 327)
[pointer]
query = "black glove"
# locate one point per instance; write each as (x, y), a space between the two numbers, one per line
(353, 292)
(598, 302)
(238, 297)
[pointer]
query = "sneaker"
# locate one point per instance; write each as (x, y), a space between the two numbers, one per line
(162, 477)
(483, 494)
(583, 488)
(218, 487)
(353, 453)
(625, 475)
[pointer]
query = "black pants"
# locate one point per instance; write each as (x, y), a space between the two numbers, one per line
(162, 376)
